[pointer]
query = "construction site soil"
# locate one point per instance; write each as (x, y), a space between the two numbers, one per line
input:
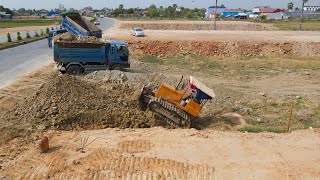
(97, 130)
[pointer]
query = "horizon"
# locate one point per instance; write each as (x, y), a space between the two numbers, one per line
(243, 4)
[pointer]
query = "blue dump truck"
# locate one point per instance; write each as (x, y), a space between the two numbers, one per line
(73, 23)
(77, 58)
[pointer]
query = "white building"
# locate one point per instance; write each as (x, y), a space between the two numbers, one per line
(311, 8)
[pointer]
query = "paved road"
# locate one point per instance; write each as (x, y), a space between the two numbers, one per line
(18, 61)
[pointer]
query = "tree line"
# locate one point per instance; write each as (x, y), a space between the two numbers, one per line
(153, 11)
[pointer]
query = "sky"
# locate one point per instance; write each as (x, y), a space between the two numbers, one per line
(99, 4)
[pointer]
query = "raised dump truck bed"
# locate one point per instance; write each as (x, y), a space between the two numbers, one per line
(75, 24)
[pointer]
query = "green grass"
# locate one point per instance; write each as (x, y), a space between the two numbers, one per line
(150, 59)
(257, 129)
(293, 25)
(21, 23)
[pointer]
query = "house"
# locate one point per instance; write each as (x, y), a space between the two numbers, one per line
(43, 12)
(232, 12)
(87, 11)
(265, 11)
(211, 10)
(311, 8)
(257, 9)
(213, 15)
(253, 14)
(3, 15)
(53, 14)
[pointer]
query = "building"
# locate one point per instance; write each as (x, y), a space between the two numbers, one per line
(87, 11)
(61, 7)
(265, 11)
(257, 9)
(294, 15)
(211, 11)
(53, 14)
(43, 12)
(311, 8)
(3, 15)
(232, 12)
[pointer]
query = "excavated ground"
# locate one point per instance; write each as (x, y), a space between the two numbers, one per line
(197, 25)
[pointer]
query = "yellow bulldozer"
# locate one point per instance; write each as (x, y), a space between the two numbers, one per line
(176, 106)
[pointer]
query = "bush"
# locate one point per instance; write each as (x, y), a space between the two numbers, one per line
(19, 38)
(41, 33)
(36, 34)
(47, 30)
(9, 37)
(263, 17)
(28, 35)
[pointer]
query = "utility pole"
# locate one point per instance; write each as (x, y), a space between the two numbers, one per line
(301, 17)
(215, 16)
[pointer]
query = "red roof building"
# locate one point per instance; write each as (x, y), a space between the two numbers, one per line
(272, 10)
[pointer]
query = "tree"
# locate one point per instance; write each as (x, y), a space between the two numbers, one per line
(121, 6)
(47, 30)
(28, 35)
(153, 11)
(9, 37)
(174, 6)
(19, 36)
(290, 5)
(190, 14)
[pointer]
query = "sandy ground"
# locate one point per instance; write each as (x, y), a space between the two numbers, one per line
(306, 36)
(153, 153)
(158, 153)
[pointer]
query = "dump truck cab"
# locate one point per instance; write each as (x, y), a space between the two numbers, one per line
(118, 54)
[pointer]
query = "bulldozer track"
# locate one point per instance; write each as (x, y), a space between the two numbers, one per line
(171, 114)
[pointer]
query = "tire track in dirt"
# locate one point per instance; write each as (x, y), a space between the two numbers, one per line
(136, 146)
(108, 164)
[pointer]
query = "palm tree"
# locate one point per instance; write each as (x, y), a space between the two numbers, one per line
(290, 6)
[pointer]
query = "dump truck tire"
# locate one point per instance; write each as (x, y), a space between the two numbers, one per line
(117, 67)
(74, 70)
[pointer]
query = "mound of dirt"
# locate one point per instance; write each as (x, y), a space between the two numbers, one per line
(164, 48)
(71, 38)
(68, 103)
(195, 25)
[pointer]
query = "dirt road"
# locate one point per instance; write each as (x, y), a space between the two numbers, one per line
(158, 153)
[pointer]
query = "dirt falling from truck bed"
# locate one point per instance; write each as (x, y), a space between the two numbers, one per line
(71, 103)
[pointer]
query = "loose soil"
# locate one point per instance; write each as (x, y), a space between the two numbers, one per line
(252, 94)
(159, 153)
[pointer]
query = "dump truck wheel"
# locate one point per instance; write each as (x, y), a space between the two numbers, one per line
(117, 67)
(74, 70)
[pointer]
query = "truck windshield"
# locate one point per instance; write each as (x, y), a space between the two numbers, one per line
(125, 50)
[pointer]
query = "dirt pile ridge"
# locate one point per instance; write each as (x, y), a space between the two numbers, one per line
(68, 103)
(164, 48)
(196, 25)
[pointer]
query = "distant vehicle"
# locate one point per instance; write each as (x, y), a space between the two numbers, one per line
(101, 16)
(96, 23)
(137, 32)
